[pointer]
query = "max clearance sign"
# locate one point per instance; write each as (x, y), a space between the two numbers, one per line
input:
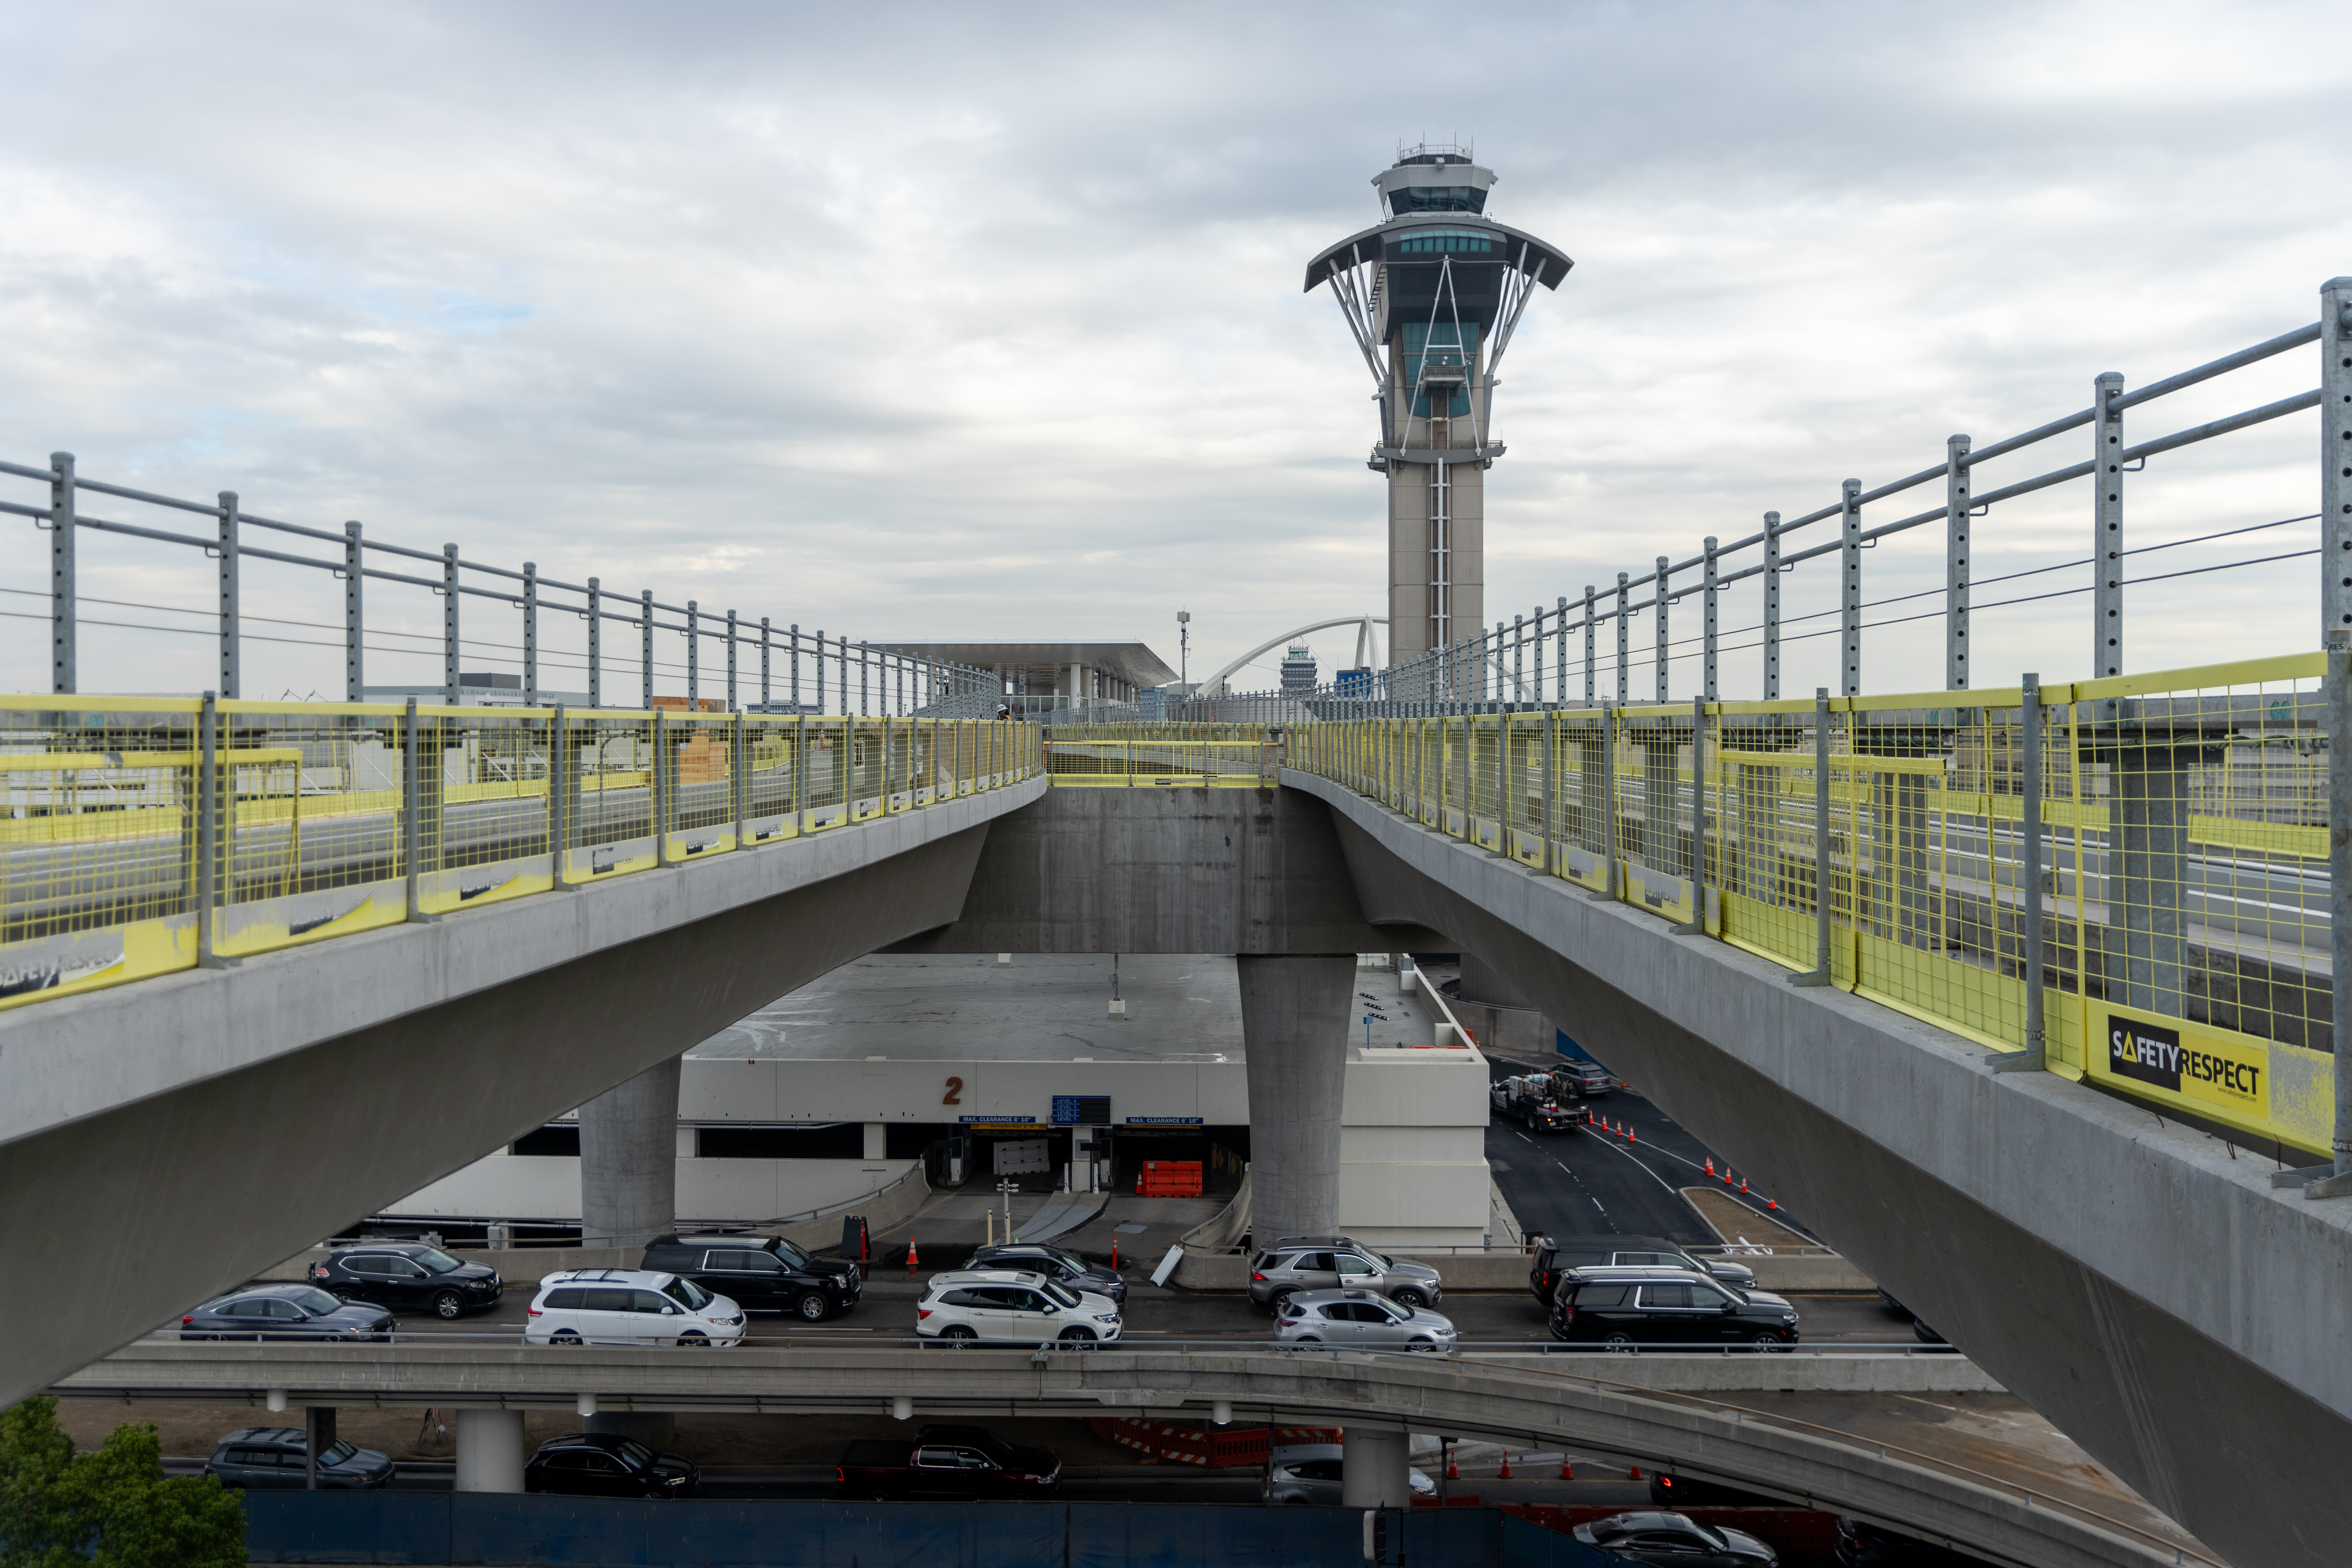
(2226, 1072)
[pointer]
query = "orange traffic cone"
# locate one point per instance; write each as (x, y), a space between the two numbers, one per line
(1771, 1202)
(1566, 1473)
(1727, 1175)
(910, 1257)
(1453, 1471)
(1743, 1183)
(1710, 1167)
(1632, 1136)
(1634, 1474)
(1507, 1466)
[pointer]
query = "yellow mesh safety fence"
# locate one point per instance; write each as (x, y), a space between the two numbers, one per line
(2181, 823)
(148, 834)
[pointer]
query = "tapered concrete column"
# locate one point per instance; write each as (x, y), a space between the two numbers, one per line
(489, 1451)
(1373, 1471)
(629, 1159)
(1295, 1029)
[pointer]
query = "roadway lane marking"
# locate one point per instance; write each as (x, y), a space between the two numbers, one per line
(1653, 1174)
(1572, 1177)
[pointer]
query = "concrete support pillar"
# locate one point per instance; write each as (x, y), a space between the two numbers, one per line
(1294, 1016)
(1373, 1471)
(629, 1159)
(490, 1451)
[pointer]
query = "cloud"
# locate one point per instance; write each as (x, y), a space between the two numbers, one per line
(918, 322)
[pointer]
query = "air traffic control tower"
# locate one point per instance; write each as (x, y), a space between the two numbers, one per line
(1431, 293)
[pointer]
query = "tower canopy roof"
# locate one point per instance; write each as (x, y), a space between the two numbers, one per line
(1420, 238)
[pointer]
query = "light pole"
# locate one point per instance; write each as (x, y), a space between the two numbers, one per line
(1184, 649)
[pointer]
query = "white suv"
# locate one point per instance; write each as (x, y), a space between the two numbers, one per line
(1011, 1305)
(629, 1306)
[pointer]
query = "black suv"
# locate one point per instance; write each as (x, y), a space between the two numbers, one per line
(760, 1273)
(1625, 1309)
(604, 1464)
(1556, 1255)
(278, 1459)
(409, 1277)
(1054, 1263)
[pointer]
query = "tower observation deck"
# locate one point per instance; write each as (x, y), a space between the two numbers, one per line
(1431, 294)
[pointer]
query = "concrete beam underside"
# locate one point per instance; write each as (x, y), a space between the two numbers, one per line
(1162, 870)
(2149, 1295)
(338, 1126)
(1520, 1401)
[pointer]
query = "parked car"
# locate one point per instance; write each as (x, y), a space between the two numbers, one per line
(1309, 1474)
(1359, 1318)
(1011, 1305)
(1861, 1545)
(605, 1464)
(1332, 1262)
(761, 1273)
(1676, 1541)
(1586, 1080)
(1625, 1309)
(1555, 1254)
(278, 1459)
(285, 1313)
(409, 1277)
(629, 1306)
(956, 1463)
(1055, 1263)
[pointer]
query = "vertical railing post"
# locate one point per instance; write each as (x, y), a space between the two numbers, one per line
(450, 676)
(1771, 606)
(796, 666)
(1549, 825)
(2336, 457)
(1519, 658)
(1850, 586)
(530, 633)
(2029, 874)
(1697, 926)
(1609, 718)
(1658, 625)
(354, 617)
(63, 657)
(645, 646)
(411, 806)
(732, 704)
(231, 621)
(739, 771)
(208, 825)
(2108, 523)
(660, 786)
(766, 650)
(1589, 626)
(1623, 617)
(820, 669)
(1559, 656)
(1819, 975)
(693, 656)
(562, 795)
(2340, 840)
(595, 643)
(1708, 624)
(1955, 563)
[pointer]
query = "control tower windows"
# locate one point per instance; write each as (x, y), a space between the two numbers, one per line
(1407, 200)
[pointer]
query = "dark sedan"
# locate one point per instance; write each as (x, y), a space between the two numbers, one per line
(602, 1464)
(285, 1313)
(1057, 1263)
(409, 1277)
(1676, 1541)
(276, 1459)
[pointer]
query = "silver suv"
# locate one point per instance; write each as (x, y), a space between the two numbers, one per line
(1337, 1262)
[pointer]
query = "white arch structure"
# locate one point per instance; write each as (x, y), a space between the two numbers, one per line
(1366, 644)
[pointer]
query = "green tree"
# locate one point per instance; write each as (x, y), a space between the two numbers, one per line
(112, 1507)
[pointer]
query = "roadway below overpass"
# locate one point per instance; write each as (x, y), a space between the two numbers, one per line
(2133, 1279)
(1629, 1409)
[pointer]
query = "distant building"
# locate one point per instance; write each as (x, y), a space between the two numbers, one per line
(1299, 670)
(1357, 682)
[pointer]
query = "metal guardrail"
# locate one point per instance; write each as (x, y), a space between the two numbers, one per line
(1162, 755)
(148, 835)
(887, 681)
(2177, 943)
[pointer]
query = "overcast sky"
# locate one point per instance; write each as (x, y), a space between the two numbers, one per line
(953, 321)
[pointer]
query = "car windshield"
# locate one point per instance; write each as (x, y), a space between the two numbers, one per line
(687, 1293)
(335, 1455)
(1707, 1534)
(1401, 1309)
(1069, 1259)
(436, 1261)
(793, 1256)
(637, 1451)
(317, 1304)
(1057, 1293)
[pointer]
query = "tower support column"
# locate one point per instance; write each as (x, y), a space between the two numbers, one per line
(629, 1159)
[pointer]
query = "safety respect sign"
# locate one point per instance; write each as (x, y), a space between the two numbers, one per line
(2221, 1069)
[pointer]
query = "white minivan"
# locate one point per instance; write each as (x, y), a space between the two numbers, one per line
(966, 1305)
(629, 1306)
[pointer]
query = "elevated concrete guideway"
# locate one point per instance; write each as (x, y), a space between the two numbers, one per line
(2148, 1292)
(221, 1119)
(1518, 1400)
